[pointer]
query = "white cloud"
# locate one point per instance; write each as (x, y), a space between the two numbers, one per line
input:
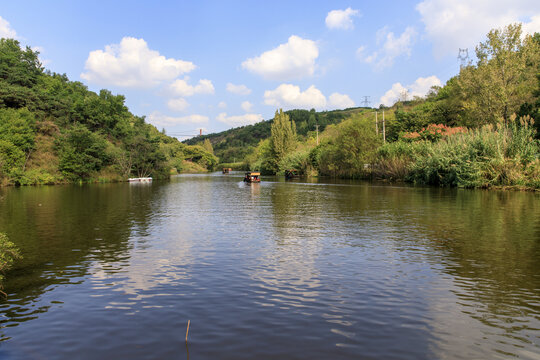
(463, 23)
(360, 52)
(181, 87)
(532, 26)
(5, 29)
(392, 95)
(340, 101)
(179, 104)
(391, 47)
(222, 105)
(239, 120)
(289, 96)
(293, 60)
(341, 19)
(420, 87)
(247, 106)
(132, 64)
(158, 119)
(238, 89)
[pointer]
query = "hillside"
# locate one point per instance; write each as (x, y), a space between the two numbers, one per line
(53, 130)
(234, 144)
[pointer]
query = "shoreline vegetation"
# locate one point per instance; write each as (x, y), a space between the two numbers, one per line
(8, 254)
(477, 131)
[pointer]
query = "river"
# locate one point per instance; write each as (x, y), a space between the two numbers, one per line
(276, 270)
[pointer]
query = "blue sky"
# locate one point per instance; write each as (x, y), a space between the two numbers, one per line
(221, 64)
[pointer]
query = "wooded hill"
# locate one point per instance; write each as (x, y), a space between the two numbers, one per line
(234, 144)
(53, 130)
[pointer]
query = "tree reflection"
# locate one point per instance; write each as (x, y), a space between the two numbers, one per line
(62, 231)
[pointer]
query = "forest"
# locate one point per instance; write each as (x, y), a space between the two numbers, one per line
(476, 131)
(53, 130)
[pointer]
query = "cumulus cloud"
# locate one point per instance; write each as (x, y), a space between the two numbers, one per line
(239, 120)
(293, 60)
(340, 101)
(158, 119)
(341, 19)
(289, 96)
(238, 89)
(451, 25)
(247, 106)
(179, 104)
(181, 87)
(5, 29)
(132, 64)
(390, 47)
(222, 105)
(420, 87)
(533, 26)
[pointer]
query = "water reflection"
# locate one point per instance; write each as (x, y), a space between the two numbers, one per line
(65, 233)
(271, 270)
(287, 273)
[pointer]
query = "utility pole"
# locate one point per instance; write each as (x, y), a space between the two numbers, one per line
(383, 128)
(376, 123)
(317, 128)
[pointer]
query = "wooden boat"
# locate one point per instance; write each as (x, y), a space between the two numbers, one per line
(291, 174)
(252, 177)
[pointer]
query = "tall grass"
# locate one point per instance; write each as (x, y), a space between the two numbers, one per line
(485, 157)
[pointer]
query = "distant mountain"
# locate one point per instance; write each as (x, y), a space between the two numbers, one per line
(234, 144)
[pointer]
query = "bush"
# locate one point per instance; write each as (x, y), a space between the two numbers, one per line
(8, 254)
(501, 156)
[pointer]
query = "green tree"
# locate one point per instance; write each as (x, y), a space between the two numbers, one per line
(504, 77)
(346, 154)
(282, 139)
(207, 145)
(146, 157)
(17, 141)
(199, 155)
(17, 66)
(81, 153)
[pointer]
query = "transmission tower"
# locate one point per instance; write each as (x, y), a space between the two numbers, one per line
(463, 57)
(366, 101)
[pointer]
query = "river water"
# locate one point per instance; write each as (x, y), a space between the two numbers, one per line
(276, 270)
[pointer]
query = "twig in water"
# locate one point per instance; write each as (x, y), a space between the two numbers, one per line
(187, 331)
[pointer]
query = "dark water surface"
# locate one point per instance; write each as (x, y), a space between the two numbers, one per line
(277, 270)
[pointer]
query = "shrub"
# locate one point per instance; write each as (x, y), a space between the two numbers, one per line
(8, 254)
(500, 156)
(434, 132)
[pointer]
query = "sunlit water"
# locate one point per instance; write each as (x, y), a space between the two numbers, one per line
(276, 270)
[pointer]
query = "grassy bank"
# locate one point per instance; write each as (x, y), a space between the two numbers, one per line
(491, 156)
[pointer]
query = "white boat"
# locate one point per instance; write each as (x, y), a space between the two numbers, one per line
(141, 179)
